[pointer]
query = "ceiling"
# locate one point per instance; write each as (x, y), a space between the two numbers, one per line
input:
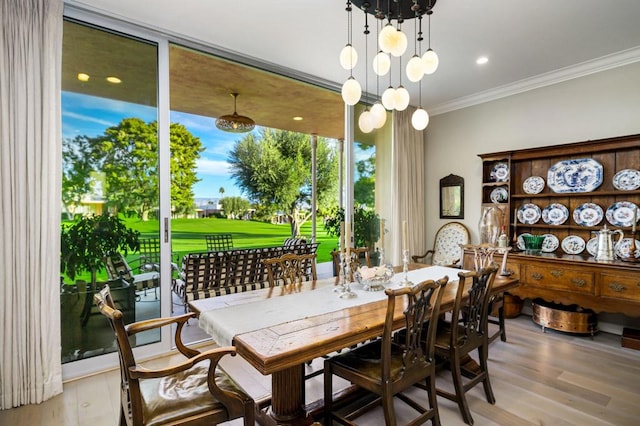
(529, 44)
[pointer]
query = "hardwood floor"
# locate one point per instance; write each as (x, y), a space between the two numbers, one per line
(538, 378)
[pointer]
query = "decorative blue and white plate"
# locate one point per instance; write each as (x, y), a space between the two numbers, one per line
(555, 214)
(628, 247)
(622, 213)
(499, 195)
(550, 243)
(588, 214)
(573, 244)
(592, 246)
(500, 172)
(529, 214)
(533, 185)
(627, 180)
(581, 175)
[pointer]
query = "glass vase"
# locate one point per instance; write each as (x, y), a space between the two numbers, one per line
(490, 225)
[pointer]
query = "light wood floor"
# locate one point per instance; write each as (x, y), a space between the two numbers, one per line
(538, 379)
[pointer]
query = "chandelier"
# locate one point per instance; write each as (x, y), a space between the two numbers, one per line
(235, 123)
(392, 42)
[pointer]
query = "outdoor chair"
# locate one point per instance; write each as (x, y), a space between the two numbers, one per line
(117, 267)
(219, 242)
(291, 269)
(466, 332)
(446, 249)
(388, 366)
(195, 391)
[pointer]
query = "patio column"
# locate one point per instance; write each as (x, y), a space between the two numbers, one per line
(314, 178)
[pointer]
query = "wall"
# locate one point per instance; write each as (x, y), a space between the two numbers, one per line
(596, 106)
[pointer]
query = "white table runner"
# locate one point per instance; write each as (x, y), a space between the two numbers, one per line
(225, 323)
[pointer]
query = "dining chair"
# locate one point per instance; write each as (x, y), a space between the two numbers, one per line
(359, 257)
(465, 332)
(194, 391)
(390, 365)
(291, 269)
(483, 256)
(446, 245)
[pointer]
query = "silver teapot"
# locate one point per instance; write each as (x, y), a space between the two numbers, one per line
(606, 246)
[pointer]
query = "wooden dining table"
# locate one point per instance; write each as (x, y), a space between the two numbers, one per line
(278, 342)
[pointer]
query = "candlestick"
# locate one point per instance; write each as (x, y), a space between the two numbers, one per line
(341, 238)
(347, 241)
(635, 219)
(515, 227)
(404, 235)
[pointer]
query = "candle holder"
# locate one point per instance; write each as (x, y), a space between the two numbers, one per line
(341, 279)
(346, 293)
(405, 270)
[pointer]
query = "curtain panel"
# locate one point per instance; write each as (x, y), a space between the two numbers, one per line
(408, 186)
(30, 188)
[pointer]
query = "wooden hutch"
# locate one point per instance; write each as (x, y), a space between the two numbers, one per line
(556, 276)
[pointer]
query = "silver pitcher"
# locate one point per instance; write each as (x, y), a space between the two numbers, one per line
(605, 249)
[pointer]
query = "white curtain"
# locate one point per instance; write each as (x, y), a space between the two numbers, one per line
(408, 186)
(30, 173)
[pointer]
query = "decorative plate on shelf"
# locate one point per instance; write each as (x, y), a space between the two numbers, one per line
(550, 243)
(521, 245)
(528, 214)
(499, 195)
(588, 214)
(573, 244)
(627, 180)
(555, 214)
(622, 213)
(592, 246)
(580, 175)
(533, 185)
(628, 247)
(500, 172)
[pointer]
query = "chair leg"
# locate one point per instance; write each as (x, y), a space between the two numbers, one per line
(456, 373)
(387, 407)
(503, 330)
(433, 401)
(328, 393)
(483, 354)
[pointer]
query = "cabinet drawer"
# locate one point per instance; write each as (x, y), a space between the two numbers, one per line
(620, 286)
(551, 277)
(514, 268)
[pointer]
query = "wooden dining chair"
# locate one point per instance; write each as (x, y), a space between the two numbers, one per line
(195, 391)
(291, 269)
(359, 257)
(388, 366)
(465, 332)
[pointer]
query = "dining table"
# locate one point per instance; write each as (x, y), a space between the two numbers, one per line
(279, 329)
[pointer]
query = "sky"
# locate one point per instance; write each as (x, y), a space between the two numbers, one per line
(90, 116)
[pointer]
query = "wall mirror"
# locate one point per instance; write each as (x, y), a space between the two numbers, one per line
(452, 197)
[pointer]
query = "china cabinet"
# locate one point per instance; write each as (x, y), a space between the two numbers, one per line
(568, 193)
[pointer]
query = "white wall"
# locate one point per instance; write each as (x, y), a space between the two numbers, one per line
(597, 106)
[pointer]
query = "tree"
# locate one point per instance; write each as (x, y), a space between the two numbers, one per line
(127, 156)
(274, 170)
(221, 191)
(364, 187)
(234, 206)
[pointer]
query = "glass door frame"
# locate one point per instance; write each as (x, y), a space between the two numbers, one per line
(95, 364)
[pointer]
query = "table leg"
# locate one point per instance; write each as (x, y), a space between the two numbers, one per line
(287, 397)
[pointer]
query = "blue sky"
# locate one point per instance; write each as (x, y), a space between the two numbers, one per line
(90, 115)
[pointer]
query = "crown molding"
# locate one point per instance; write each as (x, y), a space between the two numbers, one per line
(582, 69)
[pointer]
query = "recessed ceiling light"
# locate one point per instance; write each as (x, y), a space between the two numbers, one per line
(83, 77)
(482, 60)
(114, 80)
(297, 118)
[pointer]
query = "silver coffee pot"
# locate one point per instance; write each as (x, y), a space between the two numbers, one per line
(606, 246)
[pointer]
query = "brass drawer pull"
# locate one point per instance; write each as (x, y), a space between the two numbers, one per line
(617, 287)
(579, 282)
(536, 276)
(556, 274)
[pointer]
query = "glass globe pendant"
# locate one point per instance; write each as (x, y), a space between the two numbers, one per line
(420, 119)
(366, 121)
(379, 115)
(415, 70)
(351, 91)
(401, 98)
(389, 98)
(381, 63)
(348, 57)
(430, 62)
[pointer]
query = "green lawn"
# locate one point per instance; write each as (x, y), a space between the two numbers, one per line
(188, 234)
